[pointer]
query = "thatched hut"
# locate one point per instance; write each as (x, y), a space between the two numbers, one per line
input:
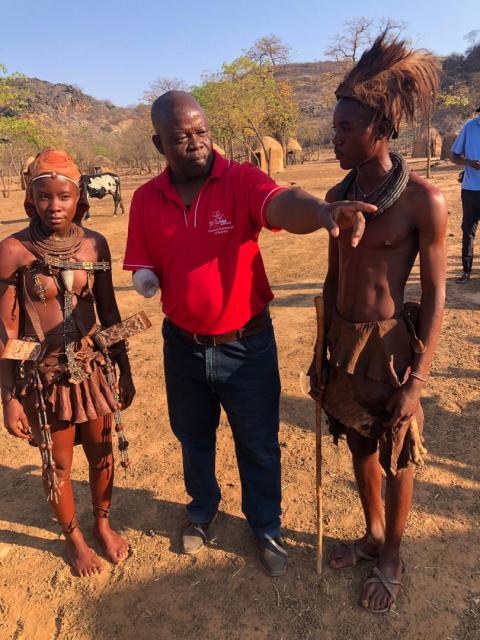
(274, 152)
(218, 149)
(294, 152)
(448, 139)
(24, 171)
(420, 144)
(101, 164)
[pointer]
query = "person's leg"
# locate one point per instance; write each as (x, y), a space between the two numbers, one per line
(471, 215)
(194, 412)
(97, 444)
(398, 500)
(83, 560)
(368, 474)
(249, 389)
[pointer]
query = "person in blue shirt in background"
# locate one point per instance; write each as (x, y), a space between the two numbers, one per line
(465, 151)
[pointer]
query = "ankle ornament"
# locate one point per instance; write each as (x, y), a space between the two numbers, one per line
(100, 512)
(69, 528)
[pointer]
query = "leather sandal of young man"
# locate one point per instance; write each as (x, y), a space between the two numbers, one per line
(272, 555)
(195, 536)
(354, 553)
(391, 586)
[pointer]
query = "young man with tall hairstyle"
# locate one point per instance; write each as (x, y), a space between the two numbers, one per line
(380, 348)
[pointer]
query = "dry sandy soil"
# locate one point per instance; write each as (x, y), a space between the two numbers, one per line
(157, 593)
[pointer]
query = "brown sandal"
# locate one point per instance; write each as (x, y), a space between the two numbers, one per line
(356, 554)
(387, 583)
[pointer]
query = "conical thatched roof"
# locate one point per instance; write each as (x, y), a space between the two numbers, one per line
(24, 170)
(103, 163)
(448, 139)
(275, 152)
(420, 149)
(27, 163)
(99, 160)
(293, 145)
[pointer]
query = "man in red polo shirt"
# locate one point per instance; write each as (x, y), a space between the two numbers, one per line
(195, 228)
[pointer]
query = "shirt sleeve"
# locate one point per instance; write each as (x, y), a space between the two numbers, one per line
(458, 146)
(260, 189)
(137, 255)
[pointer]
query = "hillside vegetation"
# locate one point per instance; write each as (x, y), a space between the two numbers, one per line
(35, 112)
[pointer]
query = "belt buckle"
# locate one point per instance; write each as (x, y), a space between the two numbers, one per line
(195, 337)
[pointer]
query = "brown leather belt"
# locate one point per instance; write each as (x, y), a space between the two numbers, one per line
(256, 325)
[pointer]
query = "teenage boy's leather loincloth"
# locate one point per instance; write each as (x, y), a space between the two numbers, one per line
(367, 363)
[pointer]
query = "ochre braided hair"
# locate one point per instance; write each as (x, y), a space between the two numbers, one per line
(394, 81)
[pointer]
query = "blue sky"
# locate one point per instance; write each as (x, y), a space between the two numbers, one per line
(114, 49)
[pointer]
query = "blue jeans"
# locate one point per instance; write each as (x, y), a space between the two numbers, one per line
(242, 377)
(470, 220)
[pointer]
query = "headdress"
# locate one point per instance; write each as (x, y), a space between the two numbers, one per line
(54, 163)
(394, 81)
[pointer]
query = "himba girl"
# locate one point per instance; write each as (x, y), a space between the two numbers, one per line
(55, 276)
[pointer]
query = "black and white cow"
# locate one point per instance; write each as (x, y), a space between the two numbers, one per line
(103, 184)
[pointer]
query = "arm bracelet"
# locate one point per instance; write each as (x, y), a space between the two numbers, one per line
(418, 376)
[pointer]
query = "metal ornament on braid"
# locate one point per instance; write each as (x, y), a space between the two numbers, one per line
(387, 193)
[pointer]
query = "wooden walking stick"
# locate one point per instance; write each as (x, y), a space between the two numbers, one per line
(319, 347)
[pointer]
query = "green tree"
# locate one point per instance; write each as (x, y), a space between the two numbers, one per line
(20, 134)
(244, 103)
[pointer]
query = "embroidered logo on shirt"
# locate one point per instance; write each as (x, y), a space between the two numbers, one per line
(218, 223)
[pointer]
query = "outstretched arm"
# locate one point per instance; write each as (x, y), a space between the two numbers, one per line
(297, 211)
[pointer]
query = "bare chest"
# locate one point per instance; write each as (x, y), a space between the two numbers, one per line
(390, 232)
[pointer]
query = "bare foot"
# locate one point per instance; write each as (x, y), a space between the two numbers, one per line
(83, 560)
(348, 554)
(115, 547)
(376, 596)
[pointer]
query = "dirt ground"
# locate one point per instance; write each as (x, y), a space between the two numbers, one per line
(158, 593)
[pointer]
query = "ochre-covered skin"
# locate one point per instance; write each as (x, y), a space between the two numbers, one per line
(56, 203)
(366, 284)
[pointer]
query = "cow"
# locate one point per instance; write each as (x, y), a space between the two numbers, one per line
(102, 184)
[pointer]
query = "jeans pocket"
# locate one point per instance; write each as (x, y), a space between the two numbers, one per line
(260, 342)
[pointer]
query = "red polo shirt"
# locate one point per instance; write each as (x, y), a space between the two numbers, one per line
(206, 257)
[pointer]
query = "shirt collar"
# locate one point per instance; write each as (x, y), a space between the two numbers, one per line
(163, 182)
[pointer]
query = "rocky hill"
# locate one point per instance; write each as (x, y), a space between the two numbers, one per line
(314, 83)
(68, 105)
